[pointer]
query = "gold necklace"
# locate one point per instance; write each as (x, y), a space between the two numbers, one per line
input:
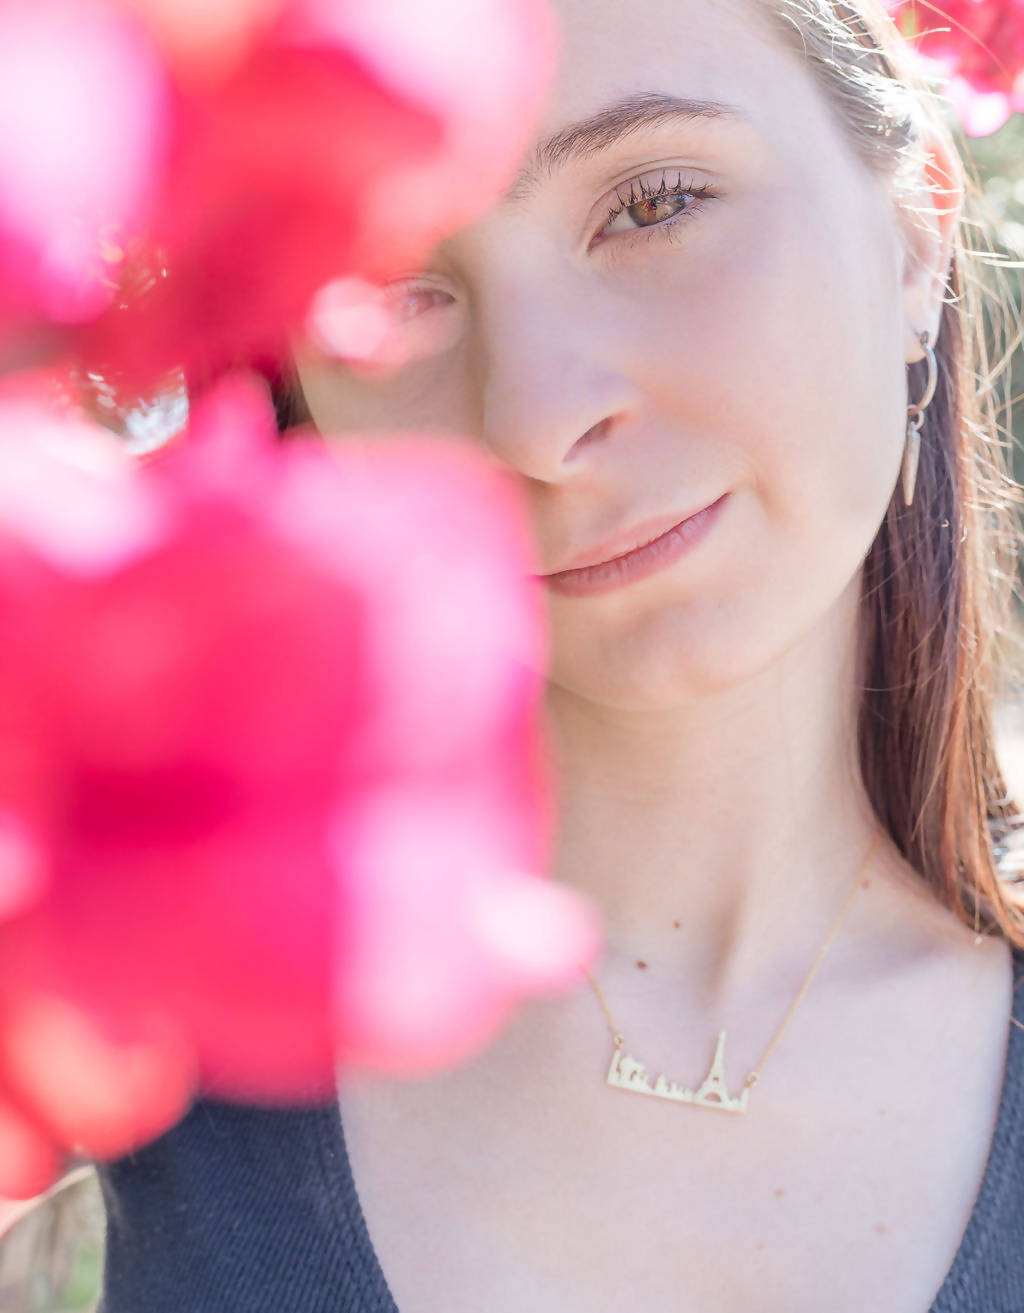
(625, 1073)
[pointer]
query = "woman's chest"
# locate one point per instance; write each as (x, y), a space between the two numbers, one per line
(847, 1185)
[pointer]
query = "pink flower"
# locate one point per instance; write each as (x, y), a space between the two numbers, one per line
(273, 795)
(271, 191)
(180, 179)
(978, 45)
(83, 118)
(202, 39)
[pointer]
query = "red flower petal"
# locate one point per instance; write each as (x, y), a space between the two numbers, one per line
(83, 118)
(98, 1095)
(29, 1160)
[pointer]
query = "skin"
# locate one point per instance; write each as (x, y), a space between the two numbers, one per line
(703, 718)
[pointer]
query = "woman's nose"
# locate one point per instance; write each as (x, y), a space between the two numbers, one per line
(553, 389)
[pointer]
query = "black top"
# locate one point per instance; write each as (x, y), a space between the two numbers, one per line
(245, 1210)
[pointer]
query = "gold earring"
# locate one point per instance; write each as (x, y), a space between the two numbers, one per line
(915, 418)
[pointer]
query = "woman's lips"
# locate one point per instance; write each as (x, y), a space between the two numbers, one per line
(638, 564)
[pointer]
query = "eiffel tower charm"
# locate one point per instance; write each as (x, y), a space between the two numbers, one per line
(625, 1073)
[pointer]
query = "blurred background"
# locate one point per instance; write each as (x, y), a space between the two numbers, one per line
(51, 1250)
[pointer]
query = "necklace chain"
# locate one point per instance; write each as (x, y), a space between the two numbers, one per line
(716, 1098)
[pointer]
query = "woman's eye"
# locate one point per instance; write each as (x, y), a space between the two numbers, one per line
(386, 324)
(415, 325)
(659, 206)
(407, 302)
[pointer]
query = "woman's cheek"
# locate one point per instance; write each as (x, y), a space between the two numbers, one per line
(430, 395)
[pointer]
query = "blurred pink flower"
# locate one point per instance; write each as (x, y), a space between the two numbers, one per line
(343, 139)
(273, 788)
(202, 39)
(83, 122)
(978, 47)
(260, 205)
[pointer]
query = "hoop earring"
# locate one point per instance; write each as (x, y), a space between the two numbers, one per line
(915, 418)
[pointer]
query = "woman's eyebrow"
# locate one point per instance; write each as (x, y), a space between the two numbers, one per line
(580, 140)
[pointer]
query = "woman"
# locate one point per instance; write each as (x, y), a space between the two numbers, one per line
(729, 277)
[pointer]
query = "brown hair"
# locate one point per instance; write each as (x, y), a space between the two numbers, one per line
(940, 629)
(940, 632)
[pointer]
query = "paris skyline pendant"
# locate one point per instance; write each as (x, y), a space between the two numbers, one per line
(625, 1073)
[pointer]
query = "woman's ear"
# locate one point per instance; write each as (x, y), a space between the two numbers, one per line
(929, 216)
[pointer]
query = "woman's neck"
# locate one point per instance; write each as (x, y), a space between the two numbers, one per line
(718, 839)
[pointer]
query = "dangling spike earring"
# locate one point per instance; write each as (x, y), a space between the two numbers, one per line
(915, 418)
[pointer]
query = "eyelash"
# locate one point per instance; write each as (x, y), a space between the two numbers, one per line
(700, 193)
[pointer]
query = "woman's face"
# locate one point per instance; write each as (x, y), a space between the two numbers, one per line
(744, 332)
